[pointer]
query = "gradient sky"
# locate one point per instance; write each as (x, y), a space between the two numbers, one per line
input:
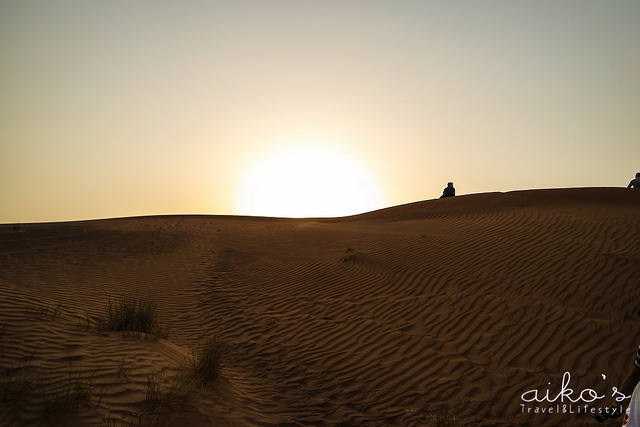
(121, 108)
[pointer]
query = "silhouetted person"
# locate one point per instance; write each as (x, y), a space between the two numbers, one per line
(630, 387)
(449, 191)
(635, 183)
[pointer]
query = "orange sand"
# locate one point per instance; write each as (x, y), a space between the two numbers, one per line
(376, 319)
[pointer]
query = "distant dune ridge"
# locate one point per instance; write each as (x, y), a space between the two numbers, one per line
(384, 318)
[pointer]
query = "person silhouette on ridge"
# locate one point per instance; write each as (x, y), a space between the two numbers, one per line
(449, 191)
(630, 387)
(635, 183)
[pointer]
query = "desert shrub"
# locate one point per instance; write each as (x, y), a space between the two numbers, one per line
(16, 380)
(45, 311)
(160, 394)
(69, 393)
(15, 383)
(206, 362)
(447, 416)
(133, 314)
(123, 370)
(134, 419)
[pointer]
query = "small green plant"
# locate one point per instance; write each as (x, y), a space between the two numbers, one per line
(207, 361)
(133, 314)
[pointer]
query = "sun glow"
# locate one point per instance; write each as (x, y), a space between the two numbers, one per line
(307, 181)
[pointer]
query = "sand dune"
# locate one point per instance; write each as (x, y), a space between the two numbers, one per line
(376, 319)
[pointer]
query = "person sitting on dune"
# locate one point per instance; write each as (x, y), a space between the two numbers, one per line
(449, 191)
(630, 387)
(635, 183)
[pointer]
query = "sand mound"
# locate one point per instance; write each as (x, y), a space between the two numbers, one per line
(385, 318)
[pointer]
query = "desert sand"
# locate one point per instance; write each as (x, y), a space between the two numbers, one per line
(381, 319)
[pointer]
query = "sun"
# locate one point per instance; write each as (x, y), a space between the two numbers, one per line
(307, 181)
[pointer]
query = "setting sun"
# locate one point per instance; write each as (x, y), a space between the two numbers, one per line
(307, 181)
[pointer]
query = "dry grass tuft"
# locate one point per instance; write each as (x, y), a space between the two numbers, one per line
(71, 393)
(446, 416)
(133, 314)
(206, 363)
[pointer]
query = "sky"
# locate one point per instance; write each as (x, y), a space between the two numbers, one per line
(121, 108)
